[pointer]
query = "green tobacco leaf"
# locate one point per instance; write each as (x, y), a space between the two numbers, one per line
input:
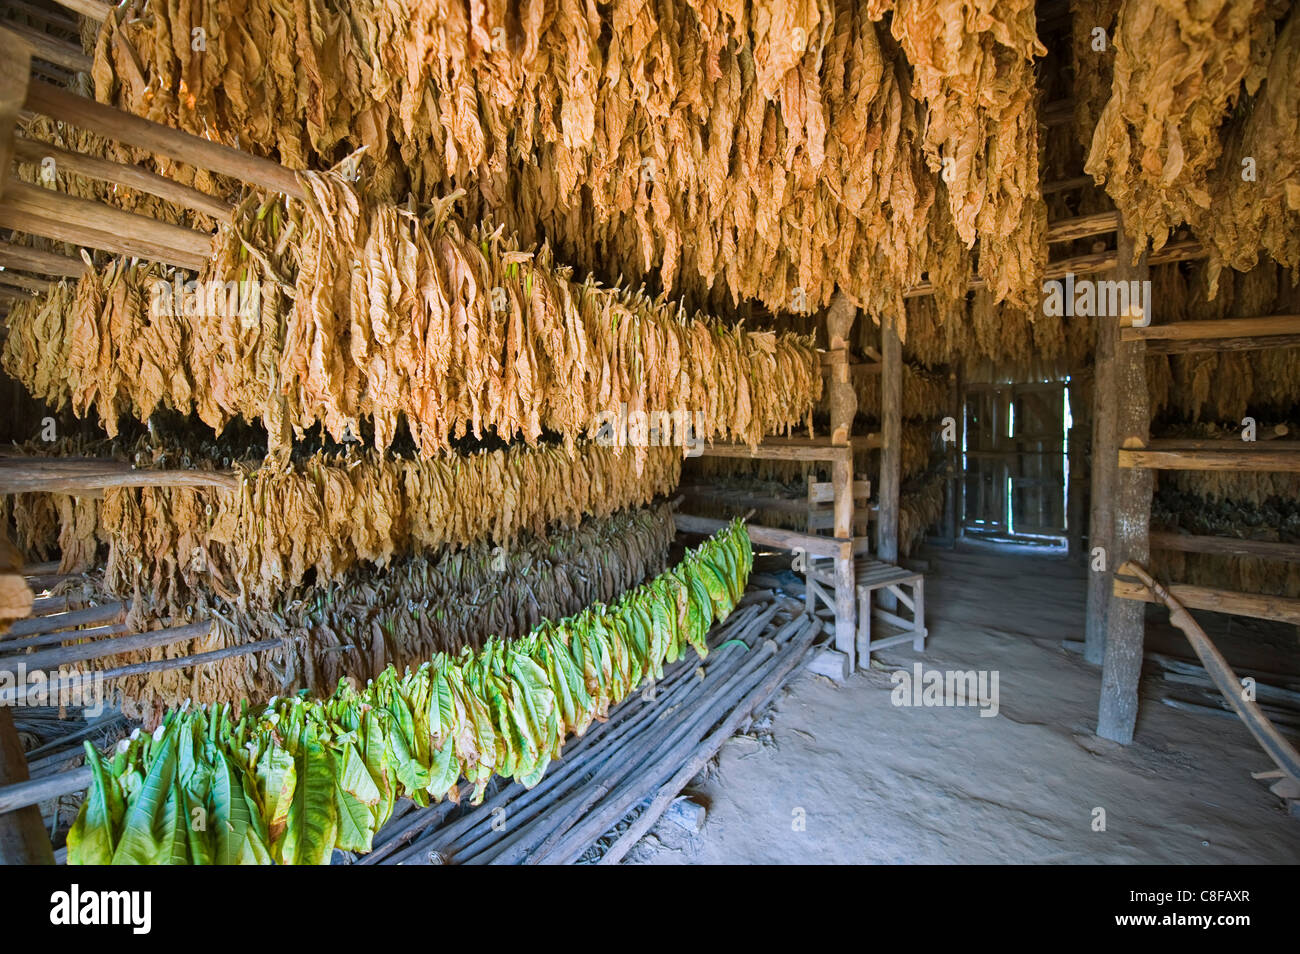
(313, 815)
(229, 819)
(94, 833)
(143, 836)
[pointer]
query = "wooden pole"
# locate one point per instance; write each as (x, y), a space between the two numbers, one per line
(69, 218)
(43, 263)
(15, 74)
(844, 408)
(1126, 619)
(1105, 471)
(23, 840)
(891, 433)
(20, 475)
(51, 49)
(31, 150)
(952, 451)
(135, 131)
(97, 10)
(1076, 452)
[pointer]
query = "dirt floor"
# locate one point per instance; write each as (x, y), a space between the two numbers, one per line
(838, 774)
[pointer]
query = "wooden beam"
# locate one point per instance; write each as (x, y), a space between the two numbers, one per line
(97, 10)
(17, 280)
(23, 840)
(1224, 328)
(1057, 113)
(1087, 265)
(1067, 185)
(15, 74)
(1083, 226)
(41, 262)
(891, 432)
(1281, 609)
(1266, 459)
(1125, 620)
(51, 49)
(809, 543)
(143, 134)
(22, 200)
(1261, 343)
(52, 659)
(1105, 471)
(50, 18)
(1104, 261)
(133, 177)
(1225, 546)
(74, 475)
(779, 448)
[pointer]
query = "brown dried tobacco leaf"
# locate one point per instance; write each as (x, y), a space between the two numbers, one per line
(328, 515)
(728, 151)
(1179, 69)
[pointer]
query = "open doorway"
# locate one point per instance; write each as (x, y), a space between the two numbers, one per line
(1015, 464)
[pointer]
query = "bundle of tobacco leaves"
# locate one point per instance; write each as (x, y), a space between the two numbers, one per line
(293, 780)
(353, 627)
(329, 513)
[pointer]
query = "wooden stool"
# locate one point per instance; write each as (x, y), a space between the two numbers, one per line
(873, 575)
(869, 576)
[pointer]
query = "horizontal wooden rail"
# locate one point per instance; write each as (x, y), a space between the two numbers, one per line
(1220, 328)
(781, 448)
(111, 646)
(143, 134)
(133, 177)
(41, 262)
(1225, 546)
(66, 684)
(50, 48)
(72, 475)
(52, 622)
(26, 282)
(1067, 185)
(1086, 265)
(131, 233)
(809, 543)
(1278, 608)
(97, 10)
(1083, 226)
(37, 790)
(1266, 459)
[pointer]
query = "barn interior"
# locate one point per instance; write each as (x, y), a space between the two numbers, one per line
(693, 430)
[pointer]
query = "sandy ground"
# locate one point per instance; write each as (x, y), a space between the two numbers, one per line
(872, 782)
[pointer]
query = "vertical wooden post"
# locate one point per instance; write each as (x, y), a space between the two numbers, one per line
(1126, 619)
(952, 454)
(15, 72)
(843, 407)
(23, 840)
(1105, 471)
(1074, 489)
(891, 437)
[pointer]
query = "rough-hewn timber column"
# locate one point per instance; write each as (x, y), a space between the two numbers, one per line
(1105, 470)
(843, 407)
(891, 436)
(1125, 619)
